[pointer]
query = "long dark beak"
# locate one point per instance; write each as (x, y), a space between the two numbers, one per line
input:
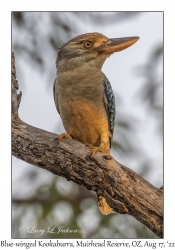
(117, 44)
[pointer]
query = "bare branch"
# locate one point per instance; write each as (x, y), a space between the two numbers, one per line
(16, 98)
(125, 191)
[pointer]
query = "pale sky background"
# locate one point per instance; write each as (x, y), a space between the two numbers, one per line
(5, 160)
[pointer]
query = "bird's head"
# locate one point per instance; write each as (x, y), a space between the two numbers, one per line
(90, 48)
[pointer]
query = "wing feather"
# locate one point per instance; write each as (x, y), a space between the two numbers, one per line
(109, 101)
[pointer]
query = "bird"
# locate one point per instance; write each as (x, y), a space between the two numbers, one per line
(83, 94)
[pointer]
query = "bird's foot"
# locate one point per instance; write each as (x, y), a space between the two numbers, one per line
(63, 135)
(94, 150)
(103, 206)
(97, 149)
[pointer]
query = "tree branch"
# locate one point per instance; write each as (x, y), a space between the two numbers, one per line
(125, 191)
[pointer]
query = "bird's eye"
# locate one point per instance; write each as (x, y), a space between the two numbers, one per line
(88, 44)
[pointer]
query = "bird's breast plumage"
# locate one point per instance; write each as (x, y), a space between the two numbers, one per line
(81, 101)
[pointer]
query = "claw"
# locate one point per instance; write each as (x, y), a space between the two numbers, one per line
(63, 135)
(97, 149)
(94, 150)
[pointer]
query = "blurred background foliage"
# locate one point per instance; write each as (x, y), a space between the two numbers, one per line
(56, 201)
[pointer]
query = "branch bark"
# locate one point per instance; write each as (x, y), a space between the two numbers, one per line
(125, 191)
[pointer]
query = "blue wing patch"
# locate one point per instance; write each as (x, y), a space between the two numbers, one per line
(110, 105)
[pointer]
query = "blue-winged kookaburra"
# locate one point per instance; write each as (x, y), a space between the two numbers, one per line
(83, 95)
